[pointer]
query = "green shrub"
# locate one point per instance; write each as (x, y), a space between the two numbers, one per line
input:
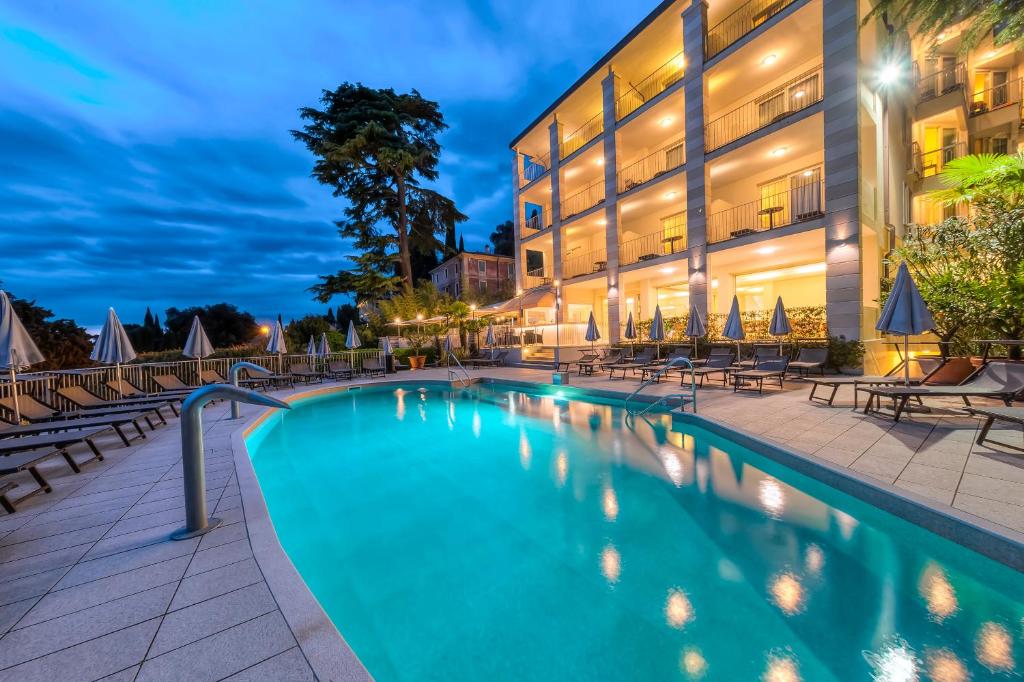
(843, 353)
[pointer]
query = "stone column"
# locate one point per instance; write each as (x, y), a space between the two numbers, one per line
(555, 138)
(517, 174)
(695, 18)
(616, 299)
(843, 297)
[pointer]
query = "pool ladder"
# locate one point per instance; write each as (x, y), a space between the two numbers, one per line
(453, 374)
(683, 398)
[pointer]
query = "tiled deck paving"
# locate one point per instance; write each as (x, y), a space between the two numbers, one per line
(91, 587)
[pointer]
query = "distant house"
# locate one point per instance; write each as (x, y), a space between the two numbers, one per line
(474, 274)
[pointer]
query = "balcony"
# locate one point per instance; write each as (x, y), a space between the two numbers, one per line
(667, 241)
(931, 162)
(667, 158)
(584, 264)
(741, 22)
(588, 197)
(535, 167)
(803, 202)
(536, 278)
(795, 95)
(996, 97)
(581, 136)
(650, 87)
(941, 82)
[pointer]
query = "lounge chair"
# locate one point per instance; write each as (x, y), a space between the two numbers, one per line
(1010, 415)
(269, 377)
(997, 380)
(339, 369)
(497, 361)
(568, 364)
(28, 461)
(212, 376)
(657, 366)
(304, 374)
(115, 421)
(716, 351)
(809, 360)
(773, 369)
(171, 384)
(130, 390)
(639, 361)
(717, 363)
(372, 367)
(60, 441)
(86, 400)
(761, 353)
(859, 382)
(610, 358)
(36, 411)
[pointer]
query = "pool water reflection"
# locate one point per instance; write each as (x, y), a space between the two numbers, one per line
(493, 534)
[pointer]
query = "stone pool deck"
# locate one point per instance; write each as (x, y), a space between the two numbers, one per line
(92, 588)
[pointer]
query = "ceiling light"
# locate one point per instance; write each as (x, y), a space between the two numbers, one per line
(990, 54)
(799, 94)
(940, 37)
(808, 173)
(679, 62)
(766, 250)
(889, 74)
(666, 122)
(769, 60)
(602, 221)
(779, 152)
(600, 161)
(667, 271)
(671, 195)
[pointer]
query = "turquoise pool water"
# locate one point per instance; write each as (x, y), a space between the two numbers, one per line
(493, 534)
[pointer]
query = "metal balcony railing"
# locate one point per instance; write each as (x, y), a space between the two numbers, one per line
(667, 158)
(582, 135)
(996, 97)
(941, 82)
(534, 167)
(650, 87)
(536, 278)
(588, 197)
(775, 105)
(741, 22)
(587, 263)
(535, 223)
(802, 202)
(670, 239)
(931, 162)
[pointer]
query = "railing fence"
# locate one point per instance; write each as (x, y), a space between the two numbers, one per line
(651, 86)
(803, 201)
(669, 157)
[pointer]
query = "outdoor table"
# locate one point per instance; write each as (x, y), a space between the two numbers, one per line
(770, 211)
(671, 242)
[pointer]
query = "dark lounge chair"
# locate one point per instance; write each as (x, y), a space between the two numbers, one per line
(82, 398)
(717, 363)
(304, 374)
(172, 384)
(28, 461)
(36, 411)
(115, 421)
(60, 440)
(339, 369)
(761, 353)
(372, 367)
(129, 390)
(1010, 415)
(568, 364)
(642, 359)
(773, 369)
(809, 360)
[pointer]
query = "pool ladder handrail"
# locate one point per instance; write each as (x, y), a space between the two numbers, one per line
(683, 397)
(452, 374)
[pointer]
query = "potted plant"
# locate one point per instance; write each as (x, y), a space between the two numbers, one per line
(417, 360)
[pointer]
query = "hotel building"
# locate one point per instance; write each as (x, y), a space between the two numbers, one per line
(761, 148)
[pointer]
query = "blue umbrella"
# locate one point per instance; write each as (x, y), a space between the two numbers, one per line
(592, 334)
(657, 329)
(779, 325)
(734, 325)
(324, 349)
(905, 314)
(630, 332)
(695, 326)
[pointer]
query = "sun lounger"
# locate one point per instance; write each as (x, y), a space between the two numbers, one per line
(35, 411)
(765, 370)
(129, 390)
(609, 359)
(116, 422)
(761, 353)
(1010, 415)
(718, 363)
(497, 361)
(269, 377)
(304, 374)
(171, 384)
(339, 369)
(719, 351)
(568, 364)
(372, 367)
(997, 380)
(642, 359)
(59, 441)
(82, 398)
(27, 461)
(809, 360)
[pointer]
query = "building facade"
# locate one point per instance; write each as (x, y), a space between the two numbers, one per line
(759, 149)
(476, 275)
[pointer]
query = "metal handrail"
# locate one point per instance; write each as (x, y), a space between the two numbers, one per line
(452, 374)
(657, 377)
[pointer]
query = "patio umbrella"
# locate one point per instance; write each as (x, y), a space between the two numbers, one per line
(734, 325)
(352, 338)
(276, 344)
(489, 339)
(905, 314)
(447, 346)
(780, 323)
(324, 348)
(197, 346)
(113, 346)
(592, 334)
(630, 332)
(657, 329)
(311, 346)
(695, 326)
(17, 349)
(386, 350)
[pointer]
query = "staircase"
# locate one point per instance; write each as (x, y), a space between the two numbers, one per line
(538, 357)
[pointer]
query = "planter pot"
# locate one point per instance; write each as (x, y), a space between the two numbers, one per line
(417, 361)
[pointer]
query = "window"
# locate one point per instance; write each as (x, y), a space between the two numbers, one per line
(511, 269)
(483, 286)
(1000, 145)
(481, 266)
(446, 272)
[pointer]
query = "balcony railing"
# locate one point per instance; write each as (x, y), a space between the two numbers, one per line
(996, 97)
(650, 87)
(931, 162)
(741, 22)
(785, 100)
(536, 278)
(535, 223)
(667, 158)
(582, 135)
(587, 263)
(534, 167)
(802, 202)
(941, 82)
(670, 239)
(588, 197)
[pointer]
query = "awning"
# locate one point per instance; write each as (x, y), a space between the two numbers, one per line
(534, 298)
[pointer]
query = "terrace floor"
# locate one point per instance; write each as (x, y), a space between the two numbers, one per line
(92, 588)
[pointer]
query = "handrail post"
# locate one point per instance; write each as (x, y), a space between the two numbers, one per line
(233, 377)
(192, 455)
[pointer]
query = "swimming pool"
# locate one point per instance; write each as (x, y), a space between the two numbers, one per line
(494, 533)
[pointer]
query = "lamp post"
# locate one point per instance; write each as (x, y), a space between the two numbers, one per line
(472, 319)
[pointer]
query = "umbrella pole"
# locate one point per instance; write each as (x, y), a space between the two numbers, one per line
(120, 386)
(906, 360)
(14, 394)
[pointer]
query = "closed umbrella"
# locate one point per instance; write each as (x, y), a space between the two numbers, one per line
(113, 346)
(905, 314)
(352, 338)
(630, 332)
(592, 334)
(17, 349)
(695, 326)
(324, 347)
(779, 325)
(734, 325)
(657, 329)
(311, 346)
(197, 346)
(489, 339)
(386, 350)
(276, 345)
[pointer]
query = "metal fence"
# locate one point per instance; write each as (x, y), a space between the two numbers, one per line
(650, 87)
(582, 135)
(803, 201)
(588, 197)
(669, 240)
(534, 167)
(792, 96)
(584, 263)
(941, 82)
(995, 97)
(741, 22)
(931, 162)
(667, 158)
(44, 385)
(536, 278)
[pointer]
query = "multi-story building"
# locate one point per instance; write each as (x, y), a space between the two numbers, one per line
(757, 148)
(475, 275)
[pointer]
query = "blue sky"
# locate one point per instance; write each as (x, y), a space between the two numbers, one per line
(145, 157)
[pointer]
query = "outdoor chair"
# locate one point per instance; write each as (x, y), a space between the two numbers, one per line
(717, 363)
(761, 353)
(372, 367)
(1010, 415)
(129, 390)
(35, 411)
(568, 364)
(115, 421)
(809, 360)
(304, 374)
(860, 382)
(60, 440)
(716, 351)
(997, 380)
(642, 359)
(269, 378)
(773, 369)
(170, 383)
(212, 376)
(652, 369)
(86, 400)
(28, 461)
(339, 369)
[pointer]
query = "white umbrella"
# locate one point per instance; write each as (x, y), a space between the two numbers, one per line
(630, 332)
(311, 346)
(448, 346)
(197, 346)
(657, 333)
(352, 338)
(780, 323)
(592, 334)
(905, 314)
(734, 325)
(385, 346)
(17, 349)
(113, 346)
(277, 344)
(489, 340)
(695, 326)
(324, 348)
